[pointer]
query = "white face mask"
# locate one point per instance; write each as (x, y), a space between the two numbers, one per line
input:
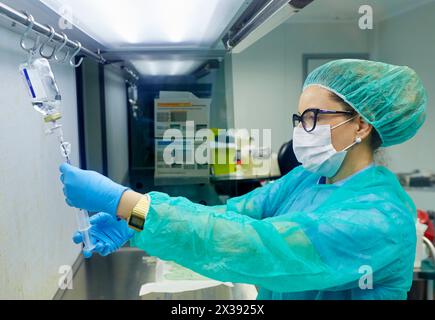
(316, 152)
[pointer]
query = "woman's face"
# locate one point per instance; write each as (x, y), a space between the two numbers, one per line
(316, 97)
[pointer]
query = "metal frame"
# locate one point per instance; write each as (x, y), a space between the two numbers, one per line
(102, 88)
(257, 13)
(238, 14)
(205, 68)
(81, 117)
(45, 30)
(251, 20)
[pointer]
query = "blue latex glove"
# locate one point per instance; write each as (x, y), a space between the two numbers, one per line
(90, 190)
(107, 233)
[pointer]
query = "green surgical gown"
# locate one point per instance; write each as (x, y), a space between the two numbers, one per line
(295, 238)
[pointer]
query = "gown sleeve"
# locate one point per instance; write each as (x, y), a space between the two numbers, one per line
(259, 203)
(288, 253)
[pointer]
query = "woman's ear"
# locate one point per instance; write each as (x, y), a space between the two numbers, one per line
(364, 129)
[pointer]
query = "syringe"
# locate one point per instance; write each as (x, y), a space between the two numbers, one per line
(82, 216)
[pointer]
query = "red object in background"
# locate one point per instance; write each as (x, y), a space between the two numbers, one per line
(424, 218)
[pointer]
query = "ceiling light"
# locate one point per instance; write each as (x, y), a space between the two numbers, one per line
(166, 67)
(115, 23)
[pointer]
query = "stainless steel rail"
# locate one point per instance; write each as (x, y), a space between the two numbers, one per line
(45, 30)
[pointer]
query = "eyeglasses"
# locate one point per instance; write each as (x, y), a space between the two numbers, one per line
(309, 117)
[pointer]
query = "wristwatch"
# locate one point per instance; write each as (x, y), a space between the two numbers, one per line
(137, 217)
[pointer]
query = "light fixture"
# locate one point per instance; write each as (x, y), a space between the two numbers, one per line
(151, 23)
(273, 14)
(170, 67)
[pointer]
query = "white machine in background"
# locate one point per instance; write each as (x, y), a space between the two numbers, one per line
(174, 110)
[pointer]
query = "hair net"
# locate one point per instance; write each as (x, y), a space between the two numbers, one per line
(391, 98)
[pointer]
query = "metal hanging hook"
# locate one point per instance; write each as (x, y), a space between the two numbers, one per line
(31, 22)
(50, 38)
(71, 60)
(229, 47)
(63, 45)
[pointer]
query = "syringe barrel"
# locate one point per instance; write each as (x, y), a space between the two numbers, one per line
(87, 241)
(83, 220)
(83, 227)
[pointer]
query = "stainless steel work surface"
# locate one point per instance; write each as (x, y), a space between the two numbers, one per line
(117, 276)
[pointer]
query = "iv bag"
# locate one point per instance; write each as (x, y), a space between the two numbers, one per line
(132, 94)
(41, 85)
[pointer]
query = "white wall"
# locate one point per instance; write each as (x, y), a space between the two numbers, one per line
(268, 75)
(35, 223)
(409, 40)
(116, 125)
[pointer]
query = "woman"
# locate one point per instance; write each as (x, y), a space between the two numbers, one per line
(337, 227)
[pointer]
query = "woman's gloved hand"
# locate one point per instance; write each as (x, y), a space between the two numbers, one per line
(107, 233)
(90, 190)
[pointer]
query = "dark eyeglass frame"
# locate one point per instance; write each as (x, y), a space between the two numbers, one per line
(298, 118)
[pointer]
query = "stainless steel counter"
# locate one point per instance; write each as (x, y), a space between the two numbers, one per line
(120, 276)
(117, 276)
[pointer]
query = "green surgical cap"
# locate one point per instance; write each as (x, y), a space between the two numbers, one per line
(391, 98)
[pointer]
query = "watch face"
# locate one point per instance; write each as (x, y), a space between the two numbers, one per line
(136, 222)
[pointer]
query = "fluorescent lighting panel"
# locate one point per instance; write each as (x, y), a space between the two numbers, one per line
(115, 23)
(180, 67)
